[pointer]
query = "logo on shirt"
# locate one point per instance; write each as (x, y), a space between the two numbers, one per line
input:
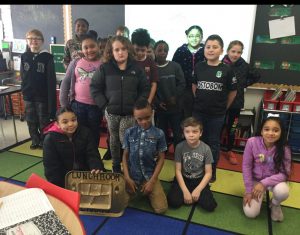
(85, 74)
(26, 66)
(234, 80)
(40, 67)
(213, 86)
(219, 74)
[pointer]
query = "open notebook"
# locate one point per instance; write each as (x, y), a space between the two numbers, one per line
(31, 211)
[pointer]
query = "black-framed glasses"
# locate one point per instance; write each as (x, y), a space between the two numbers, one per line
(33, 39)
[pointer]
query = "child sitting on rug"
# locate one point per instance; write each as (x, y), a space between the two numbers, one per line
(193, 169)
(143, 157)
(266, 165)
(69, 146)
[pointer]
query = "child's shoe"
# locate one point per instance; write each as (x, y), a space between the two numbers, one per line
(232, 158)
(276, 212)
(34, 146)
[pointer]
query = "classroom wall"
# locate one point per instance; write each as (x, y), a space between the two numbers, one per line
(47, 18)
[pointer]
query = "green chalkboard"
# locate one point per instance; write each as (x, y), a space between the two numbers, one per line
(57, 50)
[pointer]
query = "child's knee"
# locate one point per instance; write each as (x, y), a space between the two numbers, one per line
(250, 212)
(210, 205)
(161, 210)
(281, 191)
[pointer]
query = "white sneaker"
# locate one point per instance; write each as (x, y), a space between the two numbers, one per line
(276, 212)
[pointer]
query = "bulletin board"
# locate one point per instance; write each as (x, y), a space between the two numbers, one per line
(277, 59)
(57, 50)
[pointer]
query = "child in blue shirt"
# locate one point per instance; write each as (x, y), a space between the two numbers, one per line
(143, 157)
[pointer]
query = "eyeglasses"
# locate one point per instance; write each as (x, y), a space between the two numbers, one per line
(194, 36)
(33, 39)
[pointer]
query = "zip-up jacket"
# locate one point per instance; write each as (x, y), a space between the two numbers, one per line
(118, 89)
(39, 79)
(245, 76)
(61, 155)
(188, 61)
(258, 164)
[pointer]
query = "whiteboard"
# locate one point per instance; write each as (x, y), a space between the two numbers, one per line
(168, 23)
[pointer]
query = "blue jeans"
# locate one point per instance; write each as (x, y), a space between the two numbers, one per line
(89, 116)
(212, 128)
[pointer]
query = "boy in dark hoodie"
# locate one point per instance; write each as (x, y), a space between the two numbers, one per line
(69, 146)
(38, 86)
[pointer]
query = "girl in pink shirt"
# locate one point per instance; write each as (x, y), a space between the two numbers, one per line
(75, 87)
(266, 165)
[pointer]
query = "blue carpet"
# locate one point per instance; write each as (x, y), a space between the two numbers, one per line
(135, 222)
(91, 222)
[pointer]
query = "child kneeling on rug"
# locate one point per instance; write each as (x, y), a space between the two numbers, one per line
(143, 158)
(69, 146)
(193, 169)
(266, 165)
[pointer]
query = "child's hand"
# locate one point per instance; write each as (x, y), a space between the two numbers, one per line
(196, 194)
(94, 171)
(258, 191)
(247, 199)
(147, 187)
(187, 197)
(131, 185)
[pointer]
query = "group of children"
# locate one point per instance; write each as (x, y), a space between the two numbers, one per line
(125, 84)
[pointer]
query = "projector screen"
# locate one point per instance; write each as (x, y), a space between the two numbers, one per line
(169, 22)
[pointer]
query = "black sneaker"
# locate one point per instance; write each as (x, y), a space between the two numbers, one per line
(34, 146)
(40, 145)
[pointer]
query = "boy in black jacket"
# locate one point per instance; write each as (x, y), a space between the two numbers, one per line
(38, 86)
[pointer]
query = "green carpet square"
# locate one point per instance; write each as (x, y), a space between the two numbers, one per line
(13, 163)
(229, 216)
(37, 169)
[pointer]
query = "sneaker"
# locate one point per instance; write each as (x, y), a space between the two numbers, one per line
(34, 146)
(232, 158)
(40, 145)
(276, 212)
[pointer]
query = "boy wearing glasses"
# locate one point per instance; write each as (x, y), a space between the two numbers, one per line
(38, 86)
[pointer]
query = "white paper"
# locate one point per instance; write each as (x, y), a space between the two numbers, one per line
(282, 27)
(17, 63)
(22, 206)
(3, 88)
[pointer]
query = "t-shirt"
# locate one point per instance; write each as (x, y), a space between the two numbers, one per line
(84, 72)
(193, 160)
(150, 69)
(213, 86)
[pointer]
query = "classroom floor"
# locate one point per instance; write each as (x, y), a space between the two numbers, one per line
(18, 162)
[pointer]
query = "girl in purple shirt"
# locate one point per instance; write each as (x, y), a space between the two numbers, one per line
(266, 165)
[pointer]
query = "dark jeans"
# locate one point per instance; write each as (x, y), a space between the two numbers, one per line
(231, 121)
(37, 117)
(188, 102)
(212, 127)
(176, 199)
(89, 116)
(164, 120)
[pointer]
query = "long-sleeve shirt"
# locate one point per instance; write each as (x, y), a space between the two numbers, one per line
(258, 164)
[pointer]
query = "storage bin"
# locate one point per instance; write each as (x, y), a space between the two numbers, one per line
(268, 103)
(240, 142)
